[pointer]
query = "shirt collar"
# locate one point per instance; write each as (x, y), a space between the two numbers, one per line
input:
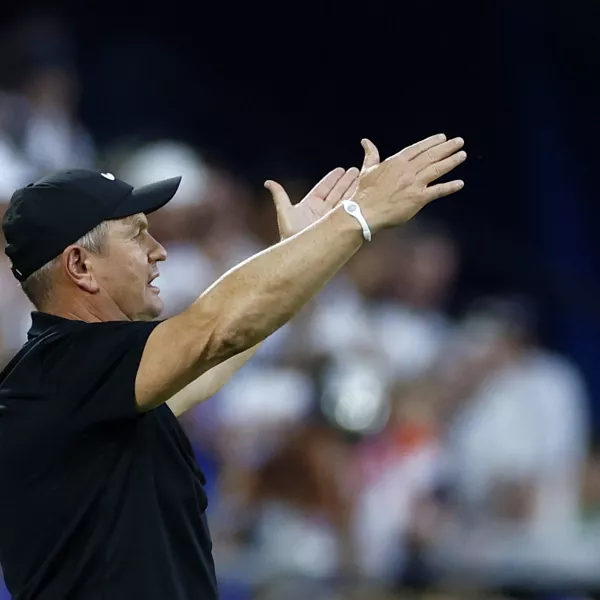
(42, 322)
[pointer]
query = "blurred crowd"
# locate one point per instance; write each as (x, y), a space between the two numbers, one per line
(374, 446)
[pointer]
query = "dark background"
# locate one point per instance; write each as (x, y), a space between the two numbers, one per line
(288, 90)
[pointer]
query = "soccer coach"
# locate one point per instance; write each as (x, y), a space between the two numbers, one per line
(100, 496)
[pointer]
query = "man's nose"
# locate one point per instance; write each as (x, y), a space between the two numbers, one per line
(158, 253)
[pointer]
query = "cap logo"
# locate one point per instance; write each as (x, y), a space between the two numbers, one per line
(109, 176)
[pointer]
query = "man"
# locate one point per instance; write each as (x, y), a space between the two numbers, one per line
(101, 497)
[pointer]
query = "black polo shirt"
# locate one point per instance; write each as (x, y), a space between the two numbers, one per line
(97, 501)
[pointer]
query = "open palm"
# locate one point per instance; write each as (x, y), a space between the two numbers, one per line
(336, 186)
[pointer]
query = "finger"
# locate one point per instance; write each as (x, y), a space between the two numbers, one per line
(436, 170)
(280, 197)
(443, 189)
(342, 187)
(371, 154)
(324, 187)
(413, 151)
(351, 190)
(438, 153)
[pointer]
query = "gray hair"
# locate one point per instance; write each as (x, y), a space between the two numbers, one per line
(38, 286)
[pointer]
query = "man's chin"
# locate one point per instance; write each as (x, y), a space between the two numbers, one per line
(153, 310)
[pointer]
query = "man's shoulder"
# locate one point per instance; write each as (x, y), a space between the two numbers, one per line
(54, 344)
(85, 371)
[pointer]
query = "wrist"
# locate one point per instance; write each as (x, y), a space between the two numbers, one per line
(371, 215)
(353, 209)
(346, 224)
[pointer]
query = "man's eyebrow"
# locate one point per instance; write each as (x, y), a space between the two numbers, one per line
(138, 222)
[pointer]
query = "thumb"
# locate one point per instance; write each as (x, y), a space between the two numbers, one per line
(280, 198)
(371, 154)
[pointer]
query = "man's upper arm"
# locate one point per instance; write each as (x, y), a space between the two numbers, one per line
(176, 352)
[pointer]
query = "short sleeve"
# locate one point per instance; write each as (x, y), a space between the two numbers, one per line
(95, 368)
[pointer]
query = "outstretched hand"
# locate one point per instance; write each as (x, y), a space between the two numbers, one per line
(336, 186)
(395, 190)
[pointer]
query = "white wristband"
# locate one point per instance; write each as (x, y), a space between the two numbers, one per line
(353, 209)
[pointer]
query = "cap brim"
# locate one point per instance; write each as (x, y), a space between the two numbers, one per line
(148, 198)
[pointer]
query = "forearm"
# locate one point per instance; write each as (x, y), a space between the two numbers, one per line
(258, 296)
(209, 383)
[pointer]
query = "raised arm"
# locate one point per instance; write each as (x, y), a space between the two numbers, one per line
(292, 219)
(257, 297)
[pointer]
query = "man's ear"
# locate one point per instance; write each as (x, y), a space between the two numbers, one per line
(76, 263)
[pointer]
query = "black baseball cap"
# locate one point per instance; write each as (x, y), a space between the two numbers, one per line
(43, 218)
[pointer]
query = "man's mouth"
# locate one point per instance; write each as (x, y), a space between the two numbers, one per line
(153, 287)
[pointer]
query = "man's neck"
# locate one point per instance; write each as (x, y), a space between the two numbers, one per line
(79, 311)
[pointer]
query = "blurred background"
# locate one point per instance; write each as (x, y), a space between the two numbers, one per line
(428, 426)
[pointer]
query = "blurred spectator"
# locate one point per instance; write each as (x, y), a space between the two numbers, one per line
(517, 441)
(411, 323)
(302, 500)
(53, 136)
(395, 309)
(41, 111)
(399, 470)
(16, 169)
(520, 437)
